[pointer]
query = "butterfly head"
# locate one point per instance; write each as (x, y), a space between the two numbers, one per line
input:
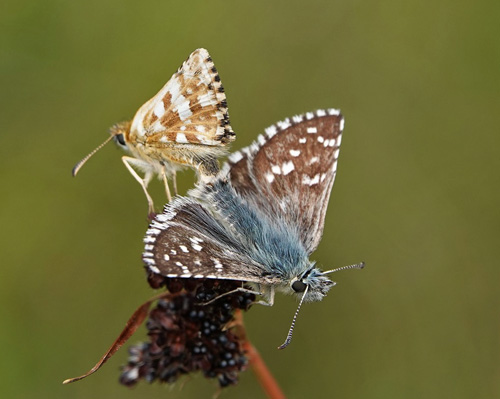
(119, 133)
(316, 283)
(312, 285)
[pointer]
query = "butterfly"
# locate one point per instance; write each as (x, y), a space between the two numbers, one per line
(185, 124)
(261, 218)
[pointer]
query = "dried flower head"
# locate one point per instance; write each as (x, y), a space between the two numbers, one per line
(186, 336)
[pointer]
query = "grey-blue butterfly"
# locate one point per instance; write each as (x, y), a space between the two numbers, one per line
(260, 219)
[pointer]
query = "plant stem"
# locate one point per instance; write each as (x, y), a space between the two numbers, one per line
(259, 367)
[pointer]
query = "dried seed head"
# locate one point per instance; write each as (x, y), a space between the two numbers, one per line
(186, 336)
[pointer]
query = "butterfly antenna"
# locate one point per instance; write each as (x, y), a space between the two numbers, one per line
(290, 332)
(79, 165)
(355, 266)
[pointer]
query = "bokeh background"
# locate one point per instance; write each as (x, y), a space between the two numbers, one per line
(416, 196)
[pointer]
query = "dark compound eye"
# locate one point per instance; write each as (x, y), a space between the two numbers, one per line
(298, 286)
(120, 139)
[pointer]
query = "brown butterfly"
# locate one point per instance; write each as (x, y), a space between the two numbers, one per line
(185, 124)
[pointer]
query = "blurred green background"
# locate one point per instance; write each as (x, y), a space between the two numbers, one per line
(416, 196)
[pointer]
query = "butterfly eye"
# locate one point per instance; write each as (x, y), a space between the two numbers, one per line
(120, 139)
(298, 286)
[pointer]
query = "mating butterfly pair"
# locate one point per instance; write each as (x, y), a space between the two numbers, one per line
(260, 217)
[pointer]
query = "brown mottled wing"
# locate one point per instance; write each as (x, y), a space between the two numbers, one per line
(190, 109)
(290, 171)
(186, 241)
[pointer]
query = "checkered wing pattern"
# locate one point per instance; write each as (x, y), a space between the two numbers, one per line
(290, 171)
(190, 109)
(187, 241)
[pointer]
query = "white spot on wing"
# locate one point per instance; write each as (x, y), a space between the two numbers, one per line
(312, 130)
(276, 169)
(165, 217)
(321, 139)
(235, 157)
(341, 125)
(321, 112)
(159, 109)
(166, 257)
(269, 177)
(284, 124)
(183, 248)
(271, 131)
(154, 269)
(217, 264)
(310, 182)
(197, 247)
(294, 153)
(181, 138)
(287, 167)
(302, 140)
(183, 108)
(173, 87)
(206, 100)
(261, 139)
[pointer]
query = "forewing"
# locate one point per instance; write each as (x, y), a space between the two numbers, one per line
(190, 109)
(187, 241)
(290, 171)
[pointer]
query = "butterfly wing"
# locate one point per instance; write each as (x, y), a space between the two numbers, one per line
(190, 109)
(290, 171)
(186, 241)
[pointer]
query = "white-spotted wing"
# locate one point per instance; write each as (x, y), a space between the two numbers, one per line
(262, 217)
(187, 241)
(291, 169)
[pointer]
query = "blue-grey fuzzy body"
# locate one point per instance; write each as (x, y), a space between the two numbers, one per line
(262, 239)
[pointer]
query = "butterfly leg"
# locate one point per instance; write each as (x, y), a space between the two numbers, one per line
(129, 161)
(267, 293)
(165, 181)
(239, 289)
